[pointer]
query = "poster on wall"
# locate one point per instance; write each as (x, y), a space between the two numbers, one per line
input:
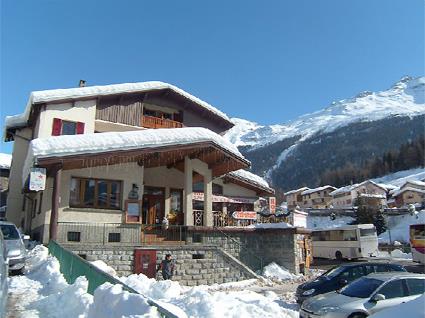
(37, 180)
(132, 211)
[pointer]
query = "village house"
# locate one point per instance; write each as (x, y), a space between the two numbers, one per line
(5, 162)
(132, 164)
(294, 198)
(411, 192)
(345, 197)
(317, 198)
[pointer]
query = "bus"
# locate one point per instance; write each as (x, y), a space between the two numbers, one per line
(417, 242)
(350, 241)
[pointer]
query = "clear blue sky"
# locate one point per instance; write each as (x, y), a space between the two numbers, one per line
(265, 61)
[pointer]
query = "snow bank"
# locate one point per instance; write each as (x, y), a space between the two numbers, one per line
(5, 160)
(276, 272)
(412, 309)
(280, 225)
(113, 302)
(104, 267)
(399, 227)
(400, 254)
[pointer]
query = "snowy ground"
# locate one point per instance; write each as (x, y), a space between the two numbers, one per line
(43, 292)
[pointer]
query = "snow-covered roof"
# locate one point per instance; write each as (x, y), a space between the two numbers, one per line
(62, 146)
(309, 191)
(400, 191)
(53, 95)
(352, 187)
(297, 190)
(5, 161)
(414, 182)
(387, 186)
(250, 177)
(372, 195)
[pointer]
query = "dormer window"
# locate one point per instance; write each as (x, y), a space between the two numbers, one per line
(66, 127)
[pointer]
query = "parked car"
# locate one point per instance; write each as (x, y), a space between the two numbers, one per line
(15, 247)
(365, 296)
(339, 276)
(4, 271)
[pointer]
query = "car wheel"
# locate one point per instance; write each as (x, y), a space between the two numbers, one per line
(357, 315)
(338, 255)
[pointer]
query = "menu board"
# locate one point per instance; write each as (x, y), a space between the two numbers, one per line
(132, 211)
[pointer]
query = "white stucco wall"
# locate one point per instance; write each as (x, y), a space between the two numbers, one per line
(80, 111)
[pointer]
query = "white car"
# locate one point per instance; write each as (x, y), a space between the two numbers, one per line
(365, 296)
(15, 246)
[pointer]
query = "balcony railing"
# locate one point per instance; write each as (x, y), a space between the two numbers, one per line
(156, 122)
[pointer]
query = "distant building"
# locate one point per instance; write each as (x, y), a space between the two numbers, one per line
(317, 198)
(345, 197)
(294, 197)
(5, 161)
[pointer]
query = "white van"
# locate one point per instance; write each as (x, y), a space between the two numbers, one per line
(350, 241)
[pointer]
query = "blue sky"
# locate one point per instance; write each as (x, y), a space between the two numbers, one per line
(265, 61)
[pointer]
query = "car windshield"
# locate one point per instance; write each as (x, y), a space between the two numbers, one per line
(362, 287)
(9, 232)
(333, 272)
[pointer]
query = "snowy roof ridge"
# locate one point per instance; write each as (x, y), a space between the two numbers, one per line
(5, 161)
(351, 187)
(67, 145)
(45, 96)
(414, 182)
(400, 191)
(251, 177)
(297, 190)
(317, 189)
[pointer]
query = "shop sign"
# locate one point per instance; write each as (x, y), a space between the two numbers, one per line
(272, 205)
(37, 180)
(199, 196)
(244, 215)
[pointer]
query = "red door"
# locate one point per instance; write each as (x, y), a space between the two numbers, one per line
(145, 262)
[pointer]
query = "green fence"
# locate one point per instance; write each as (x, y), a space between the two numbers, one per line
(72, 266)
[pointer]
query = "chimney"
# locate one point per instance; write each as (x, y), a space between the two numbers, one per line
(82, 83)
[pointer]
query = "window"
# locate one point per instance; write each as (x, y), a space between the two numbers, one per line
(198, 256)
(176, 204)
(393, 289)
(416, 286)
(367, 232)
(114, 237)
(65, 127)
(95, 193)
(353, 273)
(74, 236)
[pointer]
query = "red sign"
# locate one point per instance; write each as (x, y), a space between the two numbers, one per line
(244, 215)
(272, 205)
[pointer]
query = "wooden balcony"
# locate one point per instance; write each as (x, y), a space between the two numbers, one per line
(155, 122)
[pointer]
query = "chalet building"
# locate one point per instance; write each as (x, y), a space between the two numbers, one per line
(411, 192)
(317, 198)
(294, 198)
(345, 197)
(126, 156)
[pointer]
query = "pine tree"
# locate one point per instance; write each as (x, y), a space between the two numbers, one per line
(379, 222)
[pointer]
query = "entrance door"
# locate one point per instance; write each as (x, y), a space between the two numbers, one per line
(145, 262)
(153, 209)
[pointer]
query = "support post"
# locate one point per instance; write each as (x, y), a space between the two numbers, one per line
(208, 214)
(53, 227)
(188, 189)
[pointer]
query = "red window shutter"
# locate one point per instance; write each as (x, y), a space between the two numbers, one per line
(57, 127)
(80, 128)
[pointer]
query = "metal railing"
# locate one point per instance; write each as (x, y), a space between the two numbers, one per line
(220, 219)
(120, 234)
(72, 266)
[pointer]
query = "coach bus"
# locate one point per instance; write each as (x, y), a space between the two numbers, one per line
(417, 242)
(350, 241)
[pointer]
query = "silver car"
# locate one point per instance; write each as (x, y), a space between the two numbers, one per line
(365, 296)
(15, 247)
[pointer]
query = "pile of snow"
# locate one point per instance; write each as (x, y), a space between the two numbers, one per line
(412, 309)
(398, 227)
(275, 272)
(400, 254)
(150, 287)
(104, 267)
(324, 222)
(52, 95)
(279, 225)
(5, 161)
(67, 145)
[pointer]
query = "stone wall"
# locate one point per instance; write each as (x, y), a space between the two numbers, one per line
(216, 266)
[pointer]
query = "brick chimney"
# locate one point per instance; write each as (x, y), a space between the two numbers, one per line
(82, 83)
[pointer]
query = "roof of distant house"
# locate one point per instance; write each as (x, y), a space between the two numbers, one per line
(57, 95)
(309, 191)
(251, 178)
(400, 191)
(351, 187)
(5, 161)
(297, 190)
(414, 182)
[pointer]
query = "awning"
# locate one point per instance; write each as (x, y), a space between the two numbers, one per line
(199, 196)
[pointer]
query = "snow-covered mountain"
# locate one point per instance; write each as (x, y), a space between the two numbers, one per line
(366, 125)
(406, 97)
